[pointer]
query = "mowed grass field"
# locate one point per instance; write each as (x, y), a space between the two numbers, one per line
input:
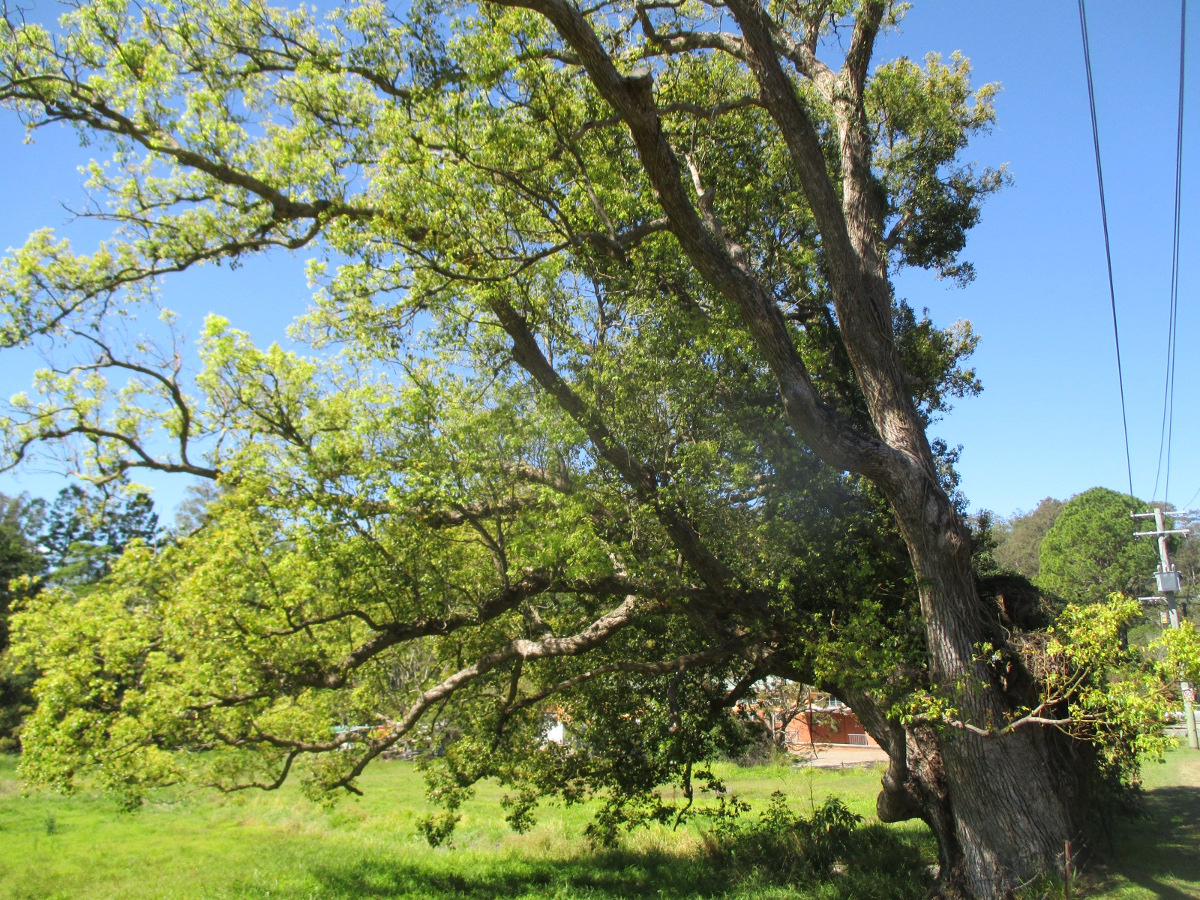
(279, 845)
(1157, 854)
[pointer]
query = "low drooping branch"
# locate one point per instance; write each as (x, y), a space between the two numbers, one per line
(588, 638)
(272, 785)
(678, 664)
(502, 601)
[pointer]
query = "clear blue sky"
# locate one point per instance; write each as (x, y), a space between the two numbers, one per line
(1049, 421)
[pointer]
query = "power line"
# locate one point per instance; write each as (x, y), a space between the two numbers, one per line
(1168, 425)
(1112, 293)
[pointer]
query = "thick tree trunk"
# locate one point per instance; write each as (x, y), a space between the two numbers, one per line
(1010, 817)
(1012, 806)
(1002, 807)
(1013, 811)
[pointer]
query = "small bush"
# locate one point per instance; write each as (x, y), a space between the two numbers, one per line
(782, 848)
(760, 750)
(437, 828)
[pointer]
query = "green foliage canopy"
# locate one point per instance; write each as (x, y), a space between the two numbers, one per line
(532, 451)
(1090, 551)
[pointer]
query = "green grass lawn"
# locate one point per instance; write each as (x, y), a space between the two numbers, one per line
(279, 845)
(1157, 855)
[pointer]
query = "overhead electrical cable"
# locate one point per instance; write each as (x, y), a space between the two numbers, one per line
(1112, 293)
(1168, 424)
(1188, 505)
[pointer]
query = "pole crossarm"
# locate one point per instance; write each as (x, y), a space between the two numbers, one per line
(1168, 587)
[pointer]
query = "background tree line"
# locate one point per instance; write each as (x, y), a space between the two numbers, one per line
(70, 542)
(1083, 549)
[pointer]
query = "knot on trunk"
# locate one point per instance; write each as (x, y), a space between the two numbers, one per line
(897, 802)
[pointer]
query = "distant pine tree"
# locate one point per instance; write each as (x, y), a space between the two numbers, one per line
(85, 532)
(135, 519)
(20, 518)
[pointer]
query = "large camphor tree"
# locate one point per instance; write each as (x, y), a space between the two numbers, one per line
(613, 410)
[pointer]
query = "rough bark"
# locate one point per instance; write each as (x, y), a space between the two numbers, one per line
(994, 829)
(914, 785)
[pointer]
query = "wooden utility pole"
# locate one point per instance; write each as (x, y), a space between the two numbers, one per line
(1167, 579)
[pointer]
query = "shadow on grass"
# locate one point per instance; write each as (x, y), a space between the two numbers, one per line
(900, 873)
(1159, 846)
(603, 875)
